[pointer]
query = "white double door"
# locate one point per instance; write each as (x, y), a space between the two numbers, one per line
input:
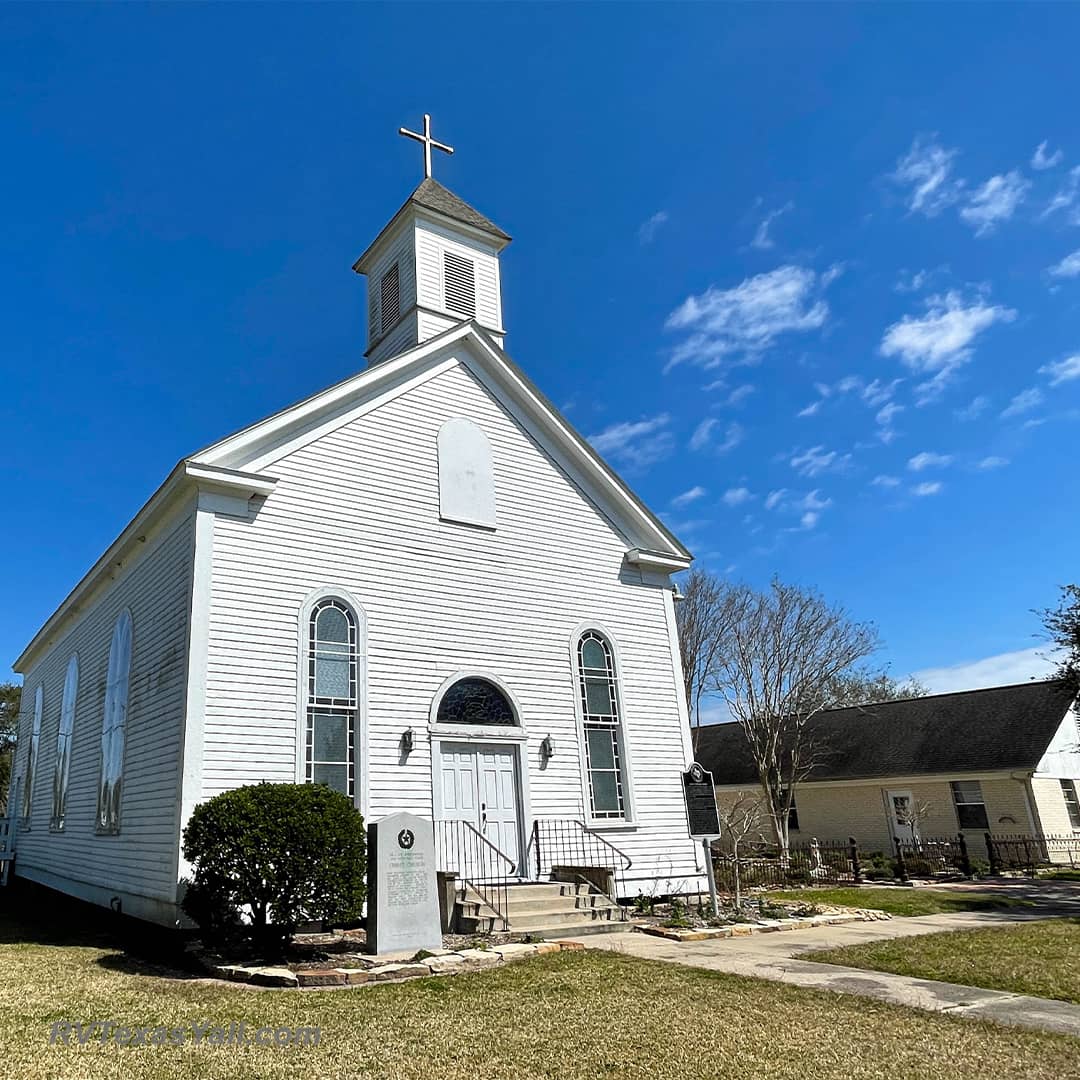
(480, 785)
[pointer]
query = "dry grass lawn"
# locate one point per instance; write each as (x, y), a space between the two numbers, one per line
(1040, 958)
(903, 901)
(569, 1015)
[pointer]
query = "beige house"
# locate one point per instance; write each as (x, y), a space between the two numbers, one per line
(1004, 760)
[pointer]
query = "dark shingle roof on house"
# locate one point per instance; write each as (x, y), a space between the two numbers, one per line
(433, 196)
(1005, 727)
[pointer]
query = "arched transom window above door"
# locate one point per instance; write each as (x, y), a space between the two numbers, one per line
(476, 701)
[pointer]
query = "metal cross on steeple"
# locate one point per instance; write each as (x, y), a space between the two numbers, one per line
(428, 142)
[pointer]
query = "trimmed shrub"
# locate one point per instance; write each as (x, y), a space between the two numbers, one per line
(276, 855)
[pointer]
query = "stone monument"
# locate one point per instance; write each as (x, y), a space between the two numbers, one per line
(403, 901)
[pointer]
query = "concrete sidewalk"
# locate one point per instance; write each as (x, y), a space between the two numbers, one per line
(775, 956)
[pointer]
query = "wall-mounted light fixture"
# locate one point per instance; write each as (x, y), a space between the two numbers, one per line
(547, 748)
(407, 741)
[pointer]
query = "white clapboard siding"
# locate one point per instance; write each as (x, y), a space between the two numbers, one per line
(358, 509)
(139, 864)
(432, 242)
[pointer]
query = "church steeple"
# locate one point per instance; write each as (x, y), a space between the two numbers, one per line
(434, 265)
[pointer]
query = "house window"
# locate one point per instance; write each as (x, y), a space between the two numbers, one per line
(459, 277)
(63, 743)
(970, 808)
(114, 725)
(389, 298)
(1072, 804)
(793, 815)
(32, 757)
(602, 721)
(332, 697)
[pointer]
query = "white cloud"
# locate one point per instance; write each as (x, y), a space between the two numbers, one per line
(1062, 370)
(748, 318)
(687, 497)
(703, 436)
(885, 414)
(995, 201)
(998, 670)
(762, 240)
(1065, 197)
(648, 229)
(877, 392)
(812, 409)
(737, 496)
(1069, 267)
(885, 481)
(812, 501)
(809, 519)
(929, 460)
(739, 395)
(817, 460)
(1042, 160)
(1024, 402)
(934, 488)
(974, 409)
(775, 498)
(636, 444)
(992, 463)
(926, 171)
(940, 341)
(911, 282)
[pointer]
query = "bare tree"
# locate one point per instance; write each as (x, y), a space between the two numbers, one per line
(705, 616)
(738, 819)
(782, 652)
(869, 686)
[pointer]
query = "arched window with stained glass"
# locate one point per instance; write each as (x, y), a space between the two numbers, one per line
(332, 696)
(601, 716)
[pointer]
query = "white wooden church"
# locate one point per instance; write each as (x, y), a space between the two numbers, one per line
(420, 586)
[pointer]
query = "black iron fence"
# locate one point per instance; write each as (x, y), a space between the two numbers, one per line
(812, 862)
(1028, 853)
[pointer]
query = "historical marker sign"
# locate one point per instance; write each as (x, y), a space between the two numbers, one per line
(403, 901)
(700, 803)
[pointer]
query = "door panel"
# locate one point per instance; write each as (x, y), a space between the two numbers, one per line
(479, 785)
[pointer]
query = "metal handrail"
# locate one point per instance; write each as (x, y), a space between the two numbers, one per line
(569, 841)
(475, 865)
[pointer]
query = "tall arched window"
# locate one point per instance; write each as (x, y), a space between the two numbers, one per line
(114, 726)
(32, 756)
(332, 697)
(63, 743)
(602, 719)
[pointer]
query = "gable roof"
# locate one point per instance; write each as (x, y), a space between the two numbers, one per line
(257, 446)
(236, 462)
(1001, 728)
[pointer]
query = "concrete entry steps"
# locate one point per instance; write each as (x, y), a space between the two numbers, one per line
(546, 909)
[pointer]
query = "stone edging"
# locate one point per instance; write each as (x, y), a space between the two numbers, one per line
(443, 963)
(766, 926)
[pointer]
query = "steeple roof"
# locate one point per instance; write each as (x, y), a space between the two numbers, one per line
(433, 196)
(430, 195)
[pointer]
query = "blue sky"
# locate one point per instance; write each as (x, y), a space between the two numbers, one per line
(810, 276)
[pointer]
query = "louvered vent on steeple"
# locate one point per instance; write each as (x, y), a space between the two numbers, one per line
(459, 277)
(390, 298)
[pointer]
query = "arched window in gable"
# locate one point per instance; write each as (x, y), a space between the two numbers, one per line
(601, 715)
(63, 743)
(333, 696)
(114, 726)
(466, 476)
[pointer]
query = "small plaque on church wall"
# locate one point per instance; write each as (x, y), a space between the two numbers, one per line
(403, 901)
(701, 813)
